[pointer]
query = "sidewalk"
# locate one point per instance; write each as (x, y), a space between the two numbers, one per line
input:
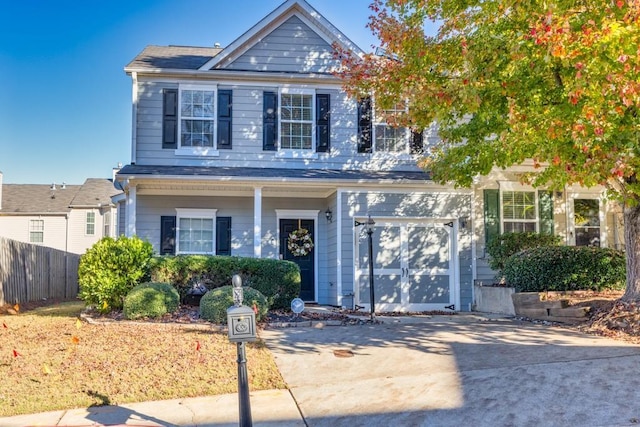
(268, 408)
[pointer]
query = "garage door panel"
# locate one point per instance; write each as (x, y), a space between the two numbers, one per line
(429, 289)
(386, 289)
(428, 248)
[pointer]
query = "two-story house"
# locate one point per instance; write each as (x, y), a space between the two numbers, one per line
(70, 218)
(235, 148)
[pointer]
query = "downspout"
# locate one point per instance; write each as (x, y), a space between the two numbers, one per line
(134, 115)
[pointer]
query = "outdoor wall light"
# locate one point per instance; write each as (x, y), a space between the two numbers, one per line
(329, 215)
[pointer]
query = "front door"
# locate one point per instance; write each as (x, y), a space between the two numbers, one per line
(412, 265)
(306, 262)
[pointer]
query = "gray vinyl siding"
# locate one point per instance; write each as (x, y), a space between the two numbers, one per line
(292, 47)
(151, 208)
(408, 205)
(247, 135)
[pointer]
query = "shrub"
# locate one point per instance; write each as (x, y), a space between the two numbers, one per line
(214, 304)
(110, 269)
(150, 300)
(503, 246)
(566, 268)
(277, 280)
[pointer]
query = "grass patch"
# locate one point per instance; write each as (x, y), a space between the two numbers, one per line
(50, 360)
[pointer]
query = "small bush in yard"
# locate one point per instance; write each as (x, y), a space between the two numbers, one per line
(110, 269)
(501, 247)
(150, 300)
(566, 268)
(214, 304)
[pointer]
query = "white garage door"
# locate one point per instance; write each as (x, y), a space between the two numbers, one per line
(413, 265)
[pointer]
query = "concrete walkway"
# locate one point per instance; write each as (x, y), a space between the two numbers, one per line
(414, 371)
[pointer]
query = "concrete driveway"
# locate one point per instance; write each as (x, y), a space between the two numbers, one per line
(458, 370)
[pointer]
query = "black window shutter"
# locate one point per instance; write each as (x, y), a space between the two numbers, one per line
(167, 235)
(545, 208)
(323, 123)
(170, 118)
(364, 125)
(491, 214)
(223, 235)
(270, 121)
(416, 146)
(225, 99)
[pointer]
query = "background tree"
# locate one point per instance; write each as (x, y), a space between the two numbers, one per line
(555, 82)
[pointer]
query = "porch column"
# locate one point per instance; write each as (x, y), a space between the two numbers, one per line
(130, 217)
(257, 222)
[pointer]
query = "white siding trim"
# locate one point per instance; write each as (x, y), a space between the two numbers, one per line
(130, 222)
(257, 222)
(339, 295)
(134, 115)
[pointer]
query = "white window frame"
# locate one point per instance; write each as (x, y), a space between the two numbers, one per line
(304, 153)
(198, 151)
(514, 187)
(107, 224)
(183, 213)
(602, 215)
(90, 222)
(378, 120)
(36, 226)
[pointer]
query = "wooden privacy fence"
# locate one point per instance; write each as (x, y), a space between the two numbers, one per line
(32, 273)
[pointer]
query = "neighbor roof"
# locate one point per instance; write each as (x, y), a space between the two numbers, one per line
(43, 199)
(173, 57)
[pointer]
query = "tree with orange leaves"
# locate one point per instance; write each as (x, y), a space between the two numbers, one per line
(557, 82)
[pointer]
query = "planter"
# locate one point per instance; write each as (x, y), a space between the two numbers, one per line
(493, 299)
(547, 306)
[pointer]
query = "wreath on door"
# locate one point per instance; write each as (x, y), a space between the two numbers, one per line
(300, 242)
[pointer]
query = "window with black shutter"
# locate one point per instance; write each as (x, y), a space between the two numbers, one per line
(364, 125)
(416, 146)
(270, 121)
(223, 235)
(167, 235)
(170, 118)
(225, 99)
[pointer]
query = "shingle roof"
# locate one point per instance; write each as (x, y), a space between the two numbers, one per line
(41, 198)
(173, 57)
(275, 173)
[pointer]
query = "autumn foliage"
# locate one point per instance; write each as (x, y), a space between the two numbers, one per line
(555, 84)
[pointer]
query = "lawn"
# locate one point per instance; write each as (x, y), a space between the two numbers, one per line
(49, 360)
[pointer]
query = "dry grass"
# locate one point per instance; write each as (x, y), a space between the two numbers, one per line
(50, 360)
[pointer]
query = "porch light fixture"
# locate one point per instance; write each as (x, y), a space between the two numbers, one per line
(369, 224)
(329, 215)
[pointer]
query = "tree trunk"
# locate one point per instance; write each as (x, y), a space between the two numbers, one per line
(632, 247)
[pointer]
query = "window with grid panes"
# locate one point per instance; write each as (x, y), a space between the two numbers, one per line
(296, 121)
(518, 211)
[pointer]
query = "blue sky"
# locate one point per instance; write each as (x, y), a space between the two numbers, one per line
(65, 102)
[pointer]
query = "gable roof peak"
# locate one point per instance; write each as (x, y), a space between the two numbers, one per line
(289, 8)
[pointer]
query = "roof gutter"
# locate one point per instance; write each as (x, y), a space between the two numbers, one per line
(234, 75)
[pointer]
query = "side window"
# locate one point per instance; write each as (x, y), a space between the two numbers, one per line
(90, 228)
(377, 136)
(518, 211)
(36, 231)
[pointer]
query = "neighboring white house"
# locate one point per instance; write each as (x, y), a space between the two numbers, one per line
(234, 148)
(67, 217)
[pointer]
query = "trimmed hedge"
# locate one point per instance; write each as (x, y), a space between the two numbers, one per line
(110, 269)
(214, 304)
(566, 268)
(501, 247)
(277, 280)
(151, 300)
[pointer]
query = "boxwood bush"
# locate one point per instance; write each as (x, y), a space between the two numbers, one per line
(110, 269)
(150, 300)
(214, 304)
(501, 247)
(566, 268)
(277, 280)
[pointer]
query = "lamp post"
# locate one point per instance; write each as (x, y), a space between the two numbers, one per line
(369, 224)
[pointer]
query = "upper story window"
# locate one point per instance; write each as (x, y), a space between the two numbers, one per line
(36, 231)
(197, 120)
(296, 122)
(90, 228)
(375, 135)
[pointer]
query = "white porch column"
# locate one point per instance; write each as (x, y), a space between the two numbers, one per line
(257, 222)
(130, 219)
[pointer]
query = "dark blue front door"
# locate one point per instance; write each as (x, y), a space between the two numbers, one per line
(306, 264)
